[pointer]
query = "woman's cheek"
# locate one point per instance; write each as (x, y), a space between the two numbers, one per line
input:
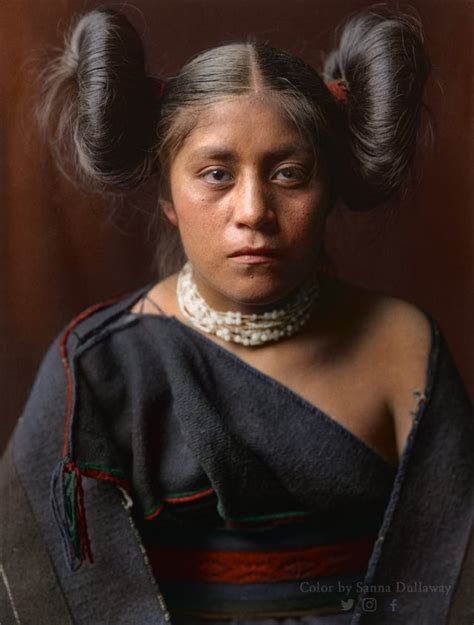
(200, 233)
(303, 223)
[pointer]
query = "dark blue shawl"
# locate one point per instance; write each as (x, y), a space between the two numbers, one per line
(111, 362)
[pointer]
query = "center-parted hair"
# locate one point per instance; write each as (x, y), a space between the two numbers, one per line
(112, 125)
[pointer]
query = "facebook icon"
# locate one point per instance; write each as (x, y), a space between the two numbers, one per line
(390, 604)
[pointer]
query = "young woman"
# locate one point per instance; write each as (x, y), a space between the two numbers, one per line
(248, 439)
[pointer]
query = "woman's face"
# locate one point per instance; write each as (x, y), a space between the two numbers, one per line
(244, 178)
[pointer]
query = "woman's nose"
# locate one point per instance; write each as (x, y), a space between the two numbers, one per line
(253, 204)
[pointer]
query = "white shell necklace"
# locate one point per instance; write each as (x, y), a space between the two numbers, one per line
(253, 329)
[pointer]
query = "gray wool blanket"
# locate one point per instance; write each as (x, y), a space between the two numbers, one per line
(77, 470)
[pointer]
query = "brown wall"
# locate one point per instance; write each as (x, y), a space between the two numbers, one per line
(61, 249)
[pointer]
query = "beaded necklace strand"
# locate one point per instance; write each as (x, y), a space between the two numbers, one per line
(247, 329)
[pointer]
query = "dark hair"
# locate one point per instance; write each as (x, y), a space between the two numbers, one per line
(111, 121)
(382, 59)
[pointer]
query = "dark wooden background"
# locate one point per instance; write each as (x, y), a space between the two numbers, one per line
(62, 249)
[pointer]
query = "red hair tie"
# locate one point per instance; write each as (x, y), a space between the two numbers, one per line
(339, 90)
(162, 88)
(158, 86)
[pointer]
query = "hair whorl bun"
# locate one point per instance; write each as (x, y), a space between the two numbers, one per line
(382, 60)
(101, 103)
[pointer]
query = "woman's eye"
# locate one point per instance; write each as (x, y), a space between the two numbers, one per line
(215, 176)
(218, 176)
(292, 174)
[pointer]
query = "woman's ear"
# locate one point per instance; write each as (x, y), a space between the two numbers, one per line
(168, 209)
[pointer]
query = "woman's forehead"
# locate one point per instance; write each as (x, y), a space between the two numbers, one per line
(253, 108)
(243, 123)
(224, 151)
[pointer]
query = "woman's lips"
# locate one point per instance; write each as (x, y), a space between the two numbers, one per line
(255, 255)
(253, 259)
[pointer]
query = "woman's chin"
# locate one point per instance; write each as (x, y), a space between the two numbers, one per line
(258, 297)
(249, 292)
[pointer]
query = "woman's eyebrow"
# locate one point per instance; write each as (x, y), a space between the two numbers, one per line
(223, 154)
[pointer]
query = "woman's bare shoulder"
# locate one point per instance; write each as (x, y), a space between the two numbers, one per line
(402, 323)
(402, 340)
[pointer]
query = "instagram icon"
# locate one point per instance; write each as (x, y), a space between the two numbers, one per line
(369, 604)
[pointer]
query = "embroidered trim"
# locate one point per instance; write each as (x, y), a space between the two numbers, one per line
(259, 566)
(177, 499)
(68, 505)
